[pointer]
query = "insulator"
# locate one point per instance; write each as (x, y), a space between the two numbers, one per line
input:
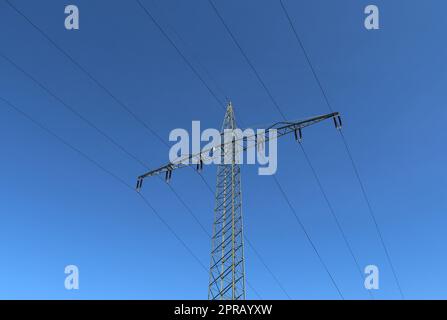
(201, 165)
(139, 184)
(296, 135)
(167, 177)
(300, 135)
(339, 122)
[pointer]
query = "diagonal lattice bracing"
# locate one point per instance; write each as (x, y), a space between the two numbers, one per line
(227, 274)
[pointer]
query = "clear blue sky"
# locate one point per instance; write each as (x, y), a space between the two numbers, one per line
(57, 209)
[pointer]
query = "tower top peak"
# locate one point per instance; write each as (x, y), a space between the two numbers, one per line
(229, 119)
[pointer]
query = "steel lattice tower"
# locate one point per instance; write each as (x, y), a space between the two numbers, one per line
(227, 270)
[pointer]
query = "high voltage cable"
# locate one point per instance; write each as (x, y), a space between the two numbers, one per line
(164, 33)
(109, 138)
(70, 108)
(308, 237)
(247, 59)
(84, 119)
(275, 103)
(102, 168)
(196, 60)
(267, 267)
(92, 125)
(116, 177)
(88, 74)
(259, 78)
(146, 11)
(102, 86)
(91, 77)
(354, 165)
(337, 222)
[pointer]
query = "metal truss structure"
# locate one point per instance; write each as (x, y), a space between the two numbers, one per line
(282, 129)
(227, 269)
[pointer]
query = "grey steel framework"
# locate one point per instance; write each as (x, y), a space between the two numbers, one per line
(227, 269)
(282, 128)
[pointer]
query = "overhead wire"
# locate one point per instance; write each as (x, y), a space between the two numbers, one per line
(104, 134)
(277, 106)
(271, 96)
(164, 33)
(91, 124)
(103, 169)
(348, 151)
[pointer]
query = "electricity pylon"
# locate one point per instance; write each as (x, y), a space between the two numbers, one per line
(227, 269)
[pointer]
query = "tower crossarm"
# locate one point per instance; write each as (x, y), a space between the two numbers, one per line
(282, 129)
(285, 127)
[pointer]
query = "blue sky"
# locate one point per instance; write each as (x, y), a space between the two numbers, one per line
(58, 209)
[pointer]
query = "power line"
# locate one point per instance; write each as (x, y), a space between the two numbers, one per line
(273, 100)
(71, 109)
(116, 177)
(267, 267)
(95, 80)
(114, 98)
(88, 74)
(331, 209)
(308, 237)
(92, 125)
(247, 59)
(195, 58)
(146, 11)
(99, 84)
(196, 73)
(354, 166)
(185, 59)
(102, 168)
